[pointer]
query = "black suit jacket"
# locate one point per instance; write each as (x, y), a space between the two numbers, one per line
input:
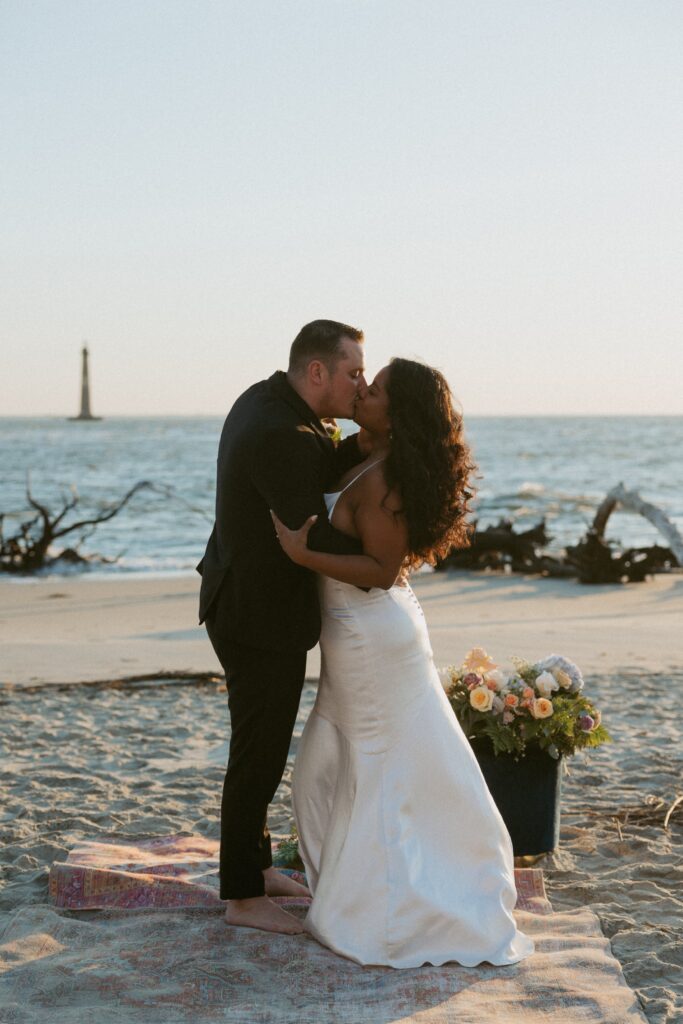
(273, 453)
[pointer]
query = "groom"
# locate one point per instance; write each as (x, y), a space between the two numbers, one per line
(261, 610)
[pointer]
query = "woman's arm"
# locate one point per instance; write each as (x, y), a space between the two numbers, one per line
(383, 534)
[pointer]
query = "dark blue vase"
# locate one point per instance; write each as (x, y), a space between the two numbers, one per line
(527, 794)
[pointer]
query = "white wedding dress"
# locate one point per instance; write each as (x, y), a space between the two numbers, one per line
(407, 857)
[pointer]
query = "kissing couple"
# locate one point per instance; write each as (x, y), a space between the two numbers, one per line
(406, 855)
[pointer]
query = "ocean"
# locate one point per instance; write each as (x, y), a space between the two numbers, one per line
(558, 467)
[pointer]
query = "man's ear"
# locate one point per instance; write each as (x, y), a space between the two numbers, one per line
(317, 372)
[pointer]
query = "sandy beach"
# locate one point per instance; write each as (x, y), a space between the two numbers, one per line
(143, 759)
(68, 630)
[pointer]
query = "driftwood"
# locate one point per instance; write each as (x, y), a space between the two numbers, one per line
(499, 545)
(632, 502)
(151, 680)
(28, 548)
(595, 559)
(592, 560)
(655, 810)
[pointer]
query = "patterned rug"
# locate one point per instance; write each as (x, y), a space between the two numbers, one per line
(182, 871)
(134, 963)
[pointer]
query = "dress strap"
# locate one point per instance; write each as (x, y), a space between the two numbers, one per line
(359, 475)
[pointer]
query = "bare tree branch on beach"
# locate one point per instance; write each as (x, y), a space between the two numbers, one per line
(27, 549)
(594, 558)
(632, 502)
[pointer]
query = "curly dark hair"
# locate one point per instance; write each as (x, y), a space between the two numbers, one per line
(429, 462)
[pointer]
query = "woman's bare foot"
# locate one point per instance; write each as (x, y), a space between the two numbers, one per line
(260, 912)
(278, 884)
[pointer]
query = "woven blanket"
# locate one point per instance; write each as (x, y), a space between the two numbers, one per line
(184, 965)
(182, 871)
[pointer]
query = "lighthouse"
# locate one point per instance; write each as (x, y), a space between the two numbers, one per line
(85, 413)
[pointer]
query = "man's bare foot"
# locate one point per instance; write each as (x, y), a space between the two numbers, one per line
(278, 884)
(260, 912)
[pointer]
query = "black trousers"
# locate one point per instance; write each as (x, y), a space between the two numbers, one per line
(264, 690)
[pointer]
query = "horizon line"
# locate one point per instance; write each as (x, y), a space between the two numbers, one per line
(218, 415)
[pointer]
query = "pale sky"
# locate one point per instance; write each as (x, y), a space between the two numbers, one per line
(492, 186)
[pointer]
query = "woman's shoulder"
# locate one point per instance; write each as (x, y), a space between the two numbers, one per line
(376, 489)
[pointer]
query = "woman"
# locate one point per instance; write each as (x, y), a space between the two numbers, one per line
(406, 854)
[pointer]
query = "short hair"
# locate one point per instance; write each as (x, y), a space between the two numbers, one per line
(321, 339)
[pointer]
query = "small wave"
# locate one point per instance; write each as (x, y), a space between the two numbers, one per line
(527, 510)
(155, 564)
(529, 489)
(547, 496)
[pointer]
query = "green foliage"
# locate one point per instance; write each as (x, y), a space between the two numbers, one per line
(287, 853)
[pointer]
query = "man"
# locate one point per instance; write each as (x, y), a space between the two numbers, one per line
(261, 610)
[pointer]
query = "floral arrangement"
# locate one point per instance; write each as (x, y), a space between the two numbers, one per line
(540, 704)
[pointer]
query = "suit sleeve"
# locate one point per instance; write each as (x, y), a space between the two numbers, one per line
(288, 470)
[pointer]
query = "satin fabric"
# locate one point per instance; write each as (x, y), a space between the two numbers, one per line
(406, 854)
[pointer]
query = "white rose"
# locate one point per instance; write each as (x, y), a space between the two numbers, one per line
(556, 661)
(497, 678)
(546, 683)
(445, 676)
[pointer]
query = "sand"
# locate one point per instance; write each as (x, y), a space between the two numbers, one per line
(143, 760)
(70, 630)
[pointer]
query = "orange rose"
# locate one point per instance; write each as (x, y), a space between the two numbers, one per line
(542, 708)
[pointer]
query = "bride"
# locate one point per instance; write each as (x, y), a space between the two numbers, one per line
(408, 859)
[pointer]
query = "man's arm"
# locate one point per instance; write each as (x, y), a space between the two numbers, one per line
(289, 473)
(384, 534)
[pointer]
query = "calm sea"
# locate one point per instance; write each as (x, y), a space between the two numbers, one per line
(557, 467)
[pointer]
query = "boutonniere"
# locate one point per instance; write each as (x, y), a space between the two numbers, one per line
(334, 432)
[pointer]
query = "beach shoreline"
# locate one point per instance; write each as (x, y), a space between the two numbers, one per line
(80, 629)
